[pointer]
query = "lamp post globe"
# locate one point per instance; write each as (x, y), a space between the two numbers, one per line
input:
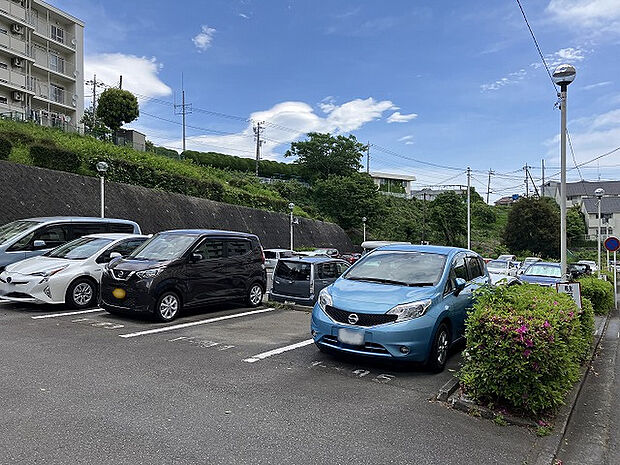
(102, 167)
(291, 206)
(564, 74)
(599, 193)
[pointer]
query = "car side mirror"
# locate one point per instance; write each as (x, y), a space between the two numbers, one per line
(114, 255)
(39, 244)
(195, 257)
(459, 285)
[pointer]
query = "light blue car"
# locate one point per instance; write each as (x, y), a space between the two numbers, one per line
(400, 302)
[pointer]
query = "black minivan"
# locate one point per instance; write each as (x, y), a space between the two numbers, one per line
(185, 268)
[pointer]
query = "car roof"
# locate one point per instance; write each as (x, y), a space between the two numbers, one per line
(438, 249)
(116, 236)
(277, 250)
(311, 259)
(47, 219)
(208, 232)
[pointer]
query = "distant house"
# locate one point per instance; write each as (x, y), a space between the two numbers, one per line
(131, 138)
(610, 215)
(398, 185)
(508, 200)
(431, 194)
(576, 190)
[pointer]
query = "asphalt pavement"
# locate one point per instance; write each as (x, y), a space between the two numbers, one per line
(223, 385)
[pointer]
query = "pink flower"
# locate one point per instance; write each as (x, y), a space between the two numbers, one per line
(555, 302)
(527, 352)
(522, 329)
(546, 324)
(570, 314)
(529, 343)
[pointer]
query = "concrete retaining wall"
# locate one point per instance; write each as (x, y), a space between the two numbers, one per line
(27, 191)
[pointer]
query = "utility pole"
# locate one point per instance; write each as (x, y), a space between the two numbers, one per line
(534, 184)
(527, 186)
(184, 109)
(491, 172)
(424, 217)
(368, 158)
(257, 130)
(93, 82)
(468, 207)
(120, 82)
(542, 188)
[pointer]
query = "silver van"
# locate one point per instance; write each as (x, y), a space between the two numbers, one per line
(30, 237)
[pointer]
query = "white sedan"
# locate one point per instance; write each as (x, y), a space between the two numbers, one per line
(69, 274)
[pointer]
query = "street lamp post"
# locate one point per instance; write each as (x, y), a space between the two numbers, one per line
(291, 206)
(563, 76)
(364, 219)
(102, 167)
(599, 193)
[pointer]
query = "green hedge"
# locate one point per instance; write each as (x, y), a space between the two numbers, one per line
(51, 157)
(599, 292)
(524, 348)
(5, 149)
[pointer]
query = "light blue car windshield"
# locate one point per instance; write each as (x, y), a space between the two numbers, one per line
(400, 268)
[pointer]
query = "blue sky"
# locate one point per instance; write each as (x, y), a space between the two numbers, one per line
(450, 83)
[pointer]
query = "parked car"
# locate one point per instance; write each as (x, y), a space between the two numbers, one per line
(273, 255)
(591, 263)
(543, 273)
(372, 245)
(402, 302)
(527, 262)
(577, 270)
(503, 267)
(351, 258)
(330, 252)
(30, 237)
(508, 258)
(68, 274)
(186, 268)
(300, 280)
(504, 280)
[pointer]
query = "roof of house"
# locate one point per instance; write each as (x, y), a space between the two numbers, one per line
(588, 187)
(400, 177)
(608, 205)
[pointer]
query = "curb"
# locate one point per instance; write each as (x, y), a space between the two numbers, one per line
(550, 445)
(447, 390)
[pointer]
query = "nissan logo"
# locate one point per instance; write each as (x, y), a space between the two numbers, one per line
(120, 274)
(8, 279)
(353, 319)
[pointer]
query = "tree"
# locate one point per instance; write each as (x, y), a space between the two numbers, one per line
(448, 219)
(534, 225)
(322, 155)
(575, 226)
(347, 199)
(117, 107)
(95, 128)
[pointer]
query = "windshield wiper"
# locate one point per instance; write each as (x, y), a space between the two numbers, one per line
(420, 284)
(380, 280)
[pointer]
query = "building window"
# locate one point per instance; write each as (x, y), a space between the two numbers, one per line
(3, 31)
(57, 63)
(3, 65)
(57, 33)
(57, 93)
(4, 100)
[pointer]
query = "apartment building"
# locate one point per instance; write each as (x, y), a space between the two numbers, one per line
(41, 64)
(398, 185)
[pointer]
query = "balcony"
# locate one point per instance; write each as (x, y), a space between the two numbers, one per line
(13, 43)
(13, 9)
(54, 33)
(53, 62)
(14, 78)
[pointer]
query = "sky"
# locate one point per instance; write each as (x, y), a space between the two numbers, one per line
(435, 87)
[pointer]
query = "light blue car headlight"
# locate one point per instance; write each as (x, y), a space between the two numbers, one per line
(410, 310)
(325, 299)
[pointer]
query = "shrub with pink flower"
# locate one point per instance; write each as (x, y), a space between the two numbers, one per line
(524, 347)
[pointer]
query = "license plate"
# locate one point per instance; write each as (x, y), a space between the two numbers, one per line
(351, 337)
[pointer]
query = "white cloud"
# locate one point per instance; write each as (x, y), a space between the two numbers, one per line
(140, 74)
(564, 55)
(203, 39)
(397, 117)
(511, 78)
(289, 121)
(591, 137)
(597, 85)
(405, 138)
(597, 15)
(244, 16)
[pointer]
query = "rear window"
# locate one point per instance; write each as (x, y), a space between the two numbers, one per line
(294, 271)
(270, 255)
(123, 228)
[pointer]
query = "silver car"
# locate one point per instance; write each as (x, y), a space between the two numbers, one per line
(31, 237)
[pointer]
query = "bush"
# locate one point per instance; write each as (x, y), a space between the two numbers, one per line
(5, 149)
(599, 292)
(524, 347)
(47, 156)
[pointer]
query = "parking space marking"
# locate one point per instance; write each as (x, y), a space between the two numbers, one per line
(194, 323)
(56, 315)
(280, 350)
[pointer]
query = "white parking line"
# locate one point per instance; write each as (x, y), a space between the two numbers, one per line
(55, 315)
(280, 350)
(194, 323)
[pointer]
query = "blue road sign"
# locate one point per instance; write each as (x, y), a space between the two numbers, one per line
(612, 243)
